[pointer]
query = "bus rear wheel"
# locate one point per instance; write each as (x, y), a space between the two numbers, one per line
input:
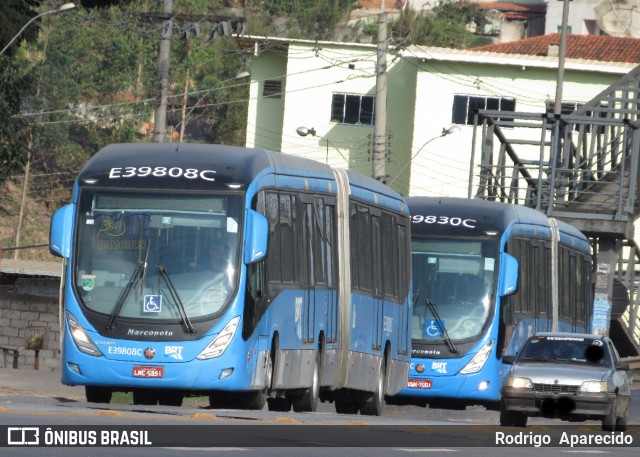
(98, 394)
(308, 402)
(375, 405)
(346, 407)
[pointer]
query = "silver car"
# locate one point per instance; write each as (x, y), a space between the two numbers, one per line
(569, 376)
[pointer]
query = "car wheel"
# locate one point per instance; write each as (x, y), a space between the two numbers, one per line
(621, 422)
(609, 421)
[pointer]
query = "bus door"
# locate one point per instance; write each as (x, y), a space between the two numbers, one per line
(308, 305)
(331, 255)
(377, 281)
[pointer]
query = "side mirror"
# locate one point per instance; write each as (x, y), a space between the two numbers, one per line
(61, 231)
(508, 359)
(255, 237)
(508, 281)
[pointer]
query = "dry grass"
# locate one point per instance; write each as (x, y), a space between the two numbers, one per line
(34, 235)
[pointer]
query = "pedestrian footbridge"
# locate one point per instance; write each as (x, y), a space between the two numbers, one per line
(581, 167)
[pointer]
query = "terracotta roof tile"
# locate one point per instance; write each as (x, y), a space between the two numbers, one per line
(588, 47)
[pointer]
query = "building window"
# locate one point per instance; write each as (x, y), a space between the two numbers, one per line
(272, 89)
(464, 107)
(568, 108)
(559, 28)
(352, 109)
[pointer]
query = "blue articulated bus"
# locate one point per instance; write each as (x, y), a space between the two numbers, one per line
(245, 275)
(486, 275)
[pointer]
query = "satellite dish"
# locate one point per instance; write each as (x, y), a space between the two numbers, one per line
(619, 17)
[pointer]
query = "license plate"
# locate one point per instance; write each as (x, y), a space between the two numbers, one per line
(148, 372)
(420, 383)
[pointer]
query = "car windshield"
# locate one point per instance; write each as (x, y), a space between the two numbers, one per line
(154, 257)
(565, 349)
(457, 276)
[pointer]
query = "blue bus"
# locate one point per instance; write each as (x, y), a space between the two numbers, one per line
(246, 275)
(486, 275)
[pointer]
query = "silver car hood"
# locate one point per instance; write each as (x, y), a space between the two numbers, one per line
(559, 373)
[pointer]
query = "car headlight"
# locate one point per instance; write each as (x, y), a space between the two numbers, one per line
(519, 383)
(220, 342)
(478, 360)
(593, 386)
(80, 337)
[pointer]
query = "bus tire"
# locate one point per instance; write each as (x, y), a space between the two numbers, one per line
(346, 407)
(280, 404)
(308, 402)
(145, 397)
(512, 418)
(97, 394)
(375, 405)
(170, 397)
(254, 400)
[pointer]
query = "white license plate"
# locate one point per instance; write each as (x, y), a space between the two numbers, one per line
(420, 383)
(148, 372)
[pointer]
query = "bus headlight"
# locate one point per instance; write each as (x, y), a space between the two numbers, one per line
(220, 342)
(478, 360)
(80, 337)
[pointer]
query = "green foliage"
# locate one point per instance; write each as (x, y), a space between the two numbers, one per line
(12, 146)
(13, 15)
(448, 25)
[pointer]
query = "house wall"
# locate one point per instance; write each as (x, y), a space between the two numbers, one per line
(580, 11)
(314, 75)
(443, 164)
(421, 85)
(29, 306)
(265, 115)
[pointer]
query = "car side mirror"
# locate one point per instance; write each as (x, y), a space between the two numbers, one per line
(508, 359)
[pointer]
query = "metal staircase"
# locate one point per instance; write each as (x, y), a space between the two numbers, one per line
(581, 168)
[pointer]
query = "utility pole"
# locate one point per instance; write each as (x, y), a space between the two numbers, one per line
(160, 120)
(379, 156)
(562, 51)
(222, 25)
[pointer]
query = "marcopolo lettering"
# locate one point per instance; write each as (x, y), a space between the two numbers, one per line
(134, 332)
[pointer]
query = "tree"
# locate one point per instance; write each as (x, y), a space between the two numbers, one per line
(450, 24)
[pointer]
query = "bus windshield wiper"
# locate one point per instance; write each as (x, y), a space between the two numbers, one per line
(133, 280)
(445, 335)
(176, 298)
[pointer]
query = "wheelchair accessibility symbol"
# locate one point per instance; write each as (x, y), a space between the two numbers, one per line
(152, 303)
(432, 329)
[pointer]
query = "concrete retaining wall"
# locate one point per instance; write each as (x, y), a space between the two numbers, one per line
(29, 317)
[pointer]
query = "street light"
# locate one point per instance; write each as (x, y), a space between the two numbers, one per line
(448, 131)
(304, 131)
(65, 7)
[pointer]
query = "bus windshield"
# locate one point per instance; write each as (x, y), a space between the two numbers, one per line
(457, 277)
(157, 257)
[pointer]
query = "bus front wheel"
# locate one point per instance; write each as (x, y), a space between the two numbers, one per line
(97, 394)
